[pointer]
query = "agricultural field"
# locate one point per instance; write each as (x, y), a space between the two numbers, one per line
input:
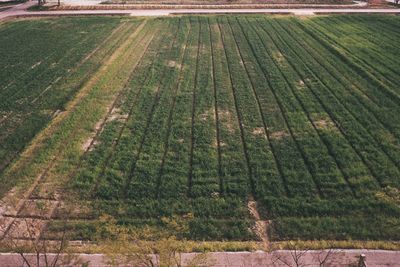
(43, 64)
(241, 128)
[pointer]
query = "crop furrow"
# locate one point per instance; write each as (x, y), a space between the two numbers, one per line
(260, 110)
(383, 112)
(362, 61)
(34, 120)
(365, 111)
(353, 65)
(129, 53)
(129, 105)
(216, 112)
(238, 113)
(126, 189)
(174, 182)
(365, 35)
(264, 176)
(272, 79)
(190, 175)
(307, 106)
(233, 160)
(325, 172)
(205, 180)
(177, 88)
(367, 120)
(45, 74)
(370, 28)
(371, 54)
(101, 127)
(144, 182)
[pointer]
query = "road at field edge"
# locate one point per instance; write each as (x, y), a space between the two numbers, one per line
(21, 11)
(277, 258)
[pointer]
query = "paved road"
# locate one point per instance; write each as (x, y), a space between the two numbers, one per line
(209, 5)
(20, 10)
(334, 258)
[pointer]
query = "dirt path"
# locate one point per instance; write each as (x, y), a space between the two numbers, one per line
(260, 226)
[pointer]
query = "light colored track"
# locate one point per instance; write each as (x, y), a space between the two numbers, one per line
(20, 10)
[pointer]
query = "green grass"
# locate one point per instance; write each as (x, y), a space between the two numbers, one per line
(300, 115)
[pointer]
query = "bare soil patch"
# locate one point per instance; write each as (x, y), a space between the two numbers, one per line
(279, 135)
(258, 131)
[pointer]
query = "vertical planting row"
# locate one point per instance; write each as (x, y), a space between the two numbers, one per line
(234, 170)
(204, 173)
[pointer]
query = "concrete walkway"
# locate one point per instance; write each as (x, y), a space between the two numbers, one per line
(245, 259)
(20, 10)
